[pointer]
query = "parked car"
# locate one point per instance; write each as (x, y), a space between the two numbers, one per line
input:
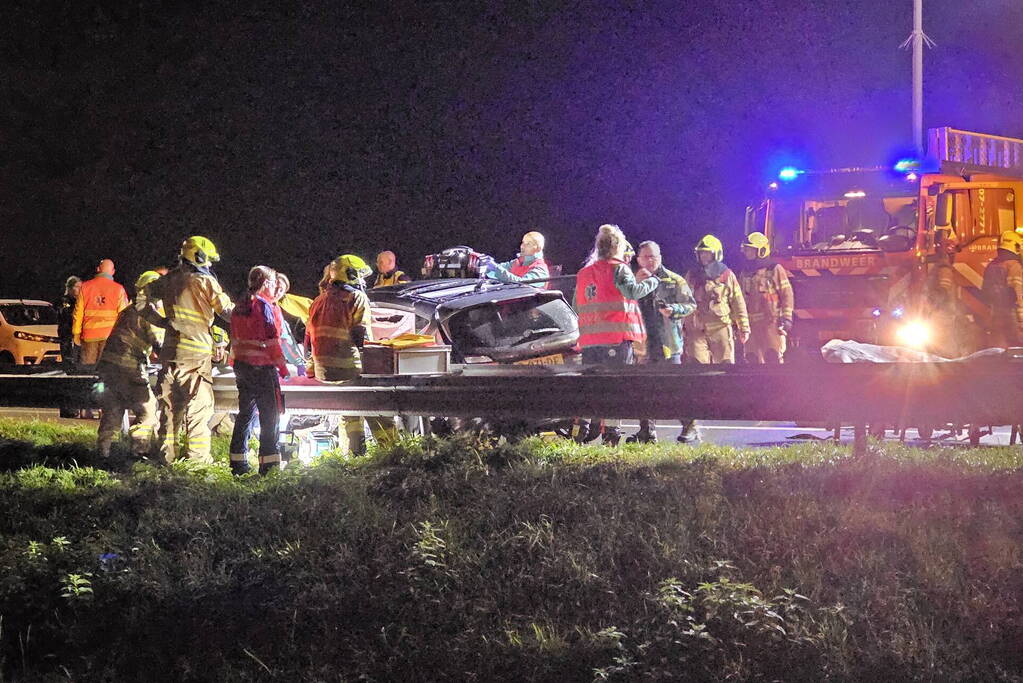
(484, 321)
(28, 332)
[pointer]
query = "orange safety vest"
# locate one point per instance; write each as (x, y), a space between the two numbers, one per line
(519, 268)
(97, 308)
(606, 317)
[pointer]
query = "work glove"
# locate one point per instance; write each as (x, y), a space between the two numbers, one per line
(76, 339)
(486, 263)
(743, 336)
(785, 325)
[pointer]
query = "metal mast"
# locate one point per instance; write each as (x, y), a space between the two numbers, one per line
(916, 40)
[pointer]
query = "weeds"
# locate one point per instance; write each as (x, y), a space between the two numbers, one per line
(471, 559)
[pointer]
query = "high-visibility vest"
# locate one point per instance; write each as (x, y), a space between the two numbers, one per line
(191, 299)
(97, 307)
(395, 277)
(253, 339)
(606, 317)
(331, 318)
(519, 268)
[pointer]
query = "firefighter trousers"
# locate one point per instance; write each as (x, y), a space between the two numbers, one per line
(382, 428)
(185, 397)
(122, 391)
(259, 398)
(705, 346)
(766, 344)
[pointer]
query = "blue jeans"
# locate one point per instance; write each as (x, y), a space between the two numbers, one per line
(259, 394)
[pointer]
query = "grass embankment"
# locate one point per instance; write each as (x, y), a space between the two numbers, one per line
(462, 561)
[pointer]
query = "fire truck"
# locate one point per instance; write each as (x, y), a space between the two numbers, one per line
(859, 243)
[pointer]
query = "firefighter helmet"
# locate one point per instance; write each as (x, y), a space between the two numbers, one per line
(145, 279)
(711, 244)
(629, 252)
(1010, 240)
(199, 251)
(350, 269)
(758, 241)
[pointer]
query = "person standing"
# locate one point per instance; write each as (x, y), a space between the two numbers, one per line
(124, 369)
(96, 309)
(528, 267)
(663, 311)
(769, 301)
(65, 324)
(1002, 289)
(720, 305)
(387, 271)
(191, 297)
(259, 366)
(338, 327)
(609, 316)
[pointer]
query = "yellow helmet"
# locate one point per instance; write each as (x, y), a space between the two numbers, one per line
(758, 241)
(145, 279)
(1011, 240)
(711, 244)
(349, 269)
(629, 251)
(199, 251)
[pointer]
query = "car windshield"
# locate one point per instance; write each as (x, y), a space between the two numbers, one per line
(20, 315)
(859, 223)
(504, 324)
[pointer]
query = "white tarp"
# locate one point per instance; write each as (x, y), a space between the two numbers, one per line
(847, 351)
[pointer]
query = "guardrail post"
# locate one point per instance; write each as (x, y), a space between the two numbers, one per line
(859, 439)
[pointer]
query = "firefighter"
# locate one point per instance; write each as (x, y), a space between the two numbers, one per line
(191, 297)
(259, 365)
(1003, 291)
(339, 324)
(942, 305)
(387, 271)
(96, 310)
(610, 320)
(768, 294)
(123, 369)
(663, 311)
(719, 306)
(528, 267)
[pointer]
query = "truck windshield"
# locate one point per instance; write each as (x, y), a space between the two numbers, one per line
(20, 315)
(504, 324)
(856, 223)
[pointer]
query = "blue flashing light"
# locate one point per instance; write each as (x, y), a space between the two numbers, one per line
(897, 313)
(876, 313)
(907, 165)
(789, 173)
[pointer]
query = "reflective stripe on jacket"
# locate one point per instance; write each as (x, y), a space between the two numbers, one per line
(395, 277)
(191, 299)
(1002, 287)
(719, 303)
(606, 316)
(332, 318)
(97, 307)
(130, 343)
(768, 294)
(256, 332)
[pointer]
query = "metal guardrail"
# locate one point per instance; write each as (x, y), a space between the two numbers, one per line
(981, 392)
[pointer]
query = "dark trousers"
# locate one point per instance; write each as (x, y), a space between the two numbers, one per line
(619, 354)
(259, 396)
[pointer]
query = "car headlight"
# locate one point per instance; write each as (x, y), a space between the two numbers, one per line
(914, 334)
(28, 336)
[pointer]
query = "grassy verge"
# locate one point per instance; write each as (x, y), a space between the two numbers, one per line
(460, 560)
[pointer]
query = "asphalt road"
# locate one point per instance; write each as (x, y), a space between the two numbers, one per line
(733, 433)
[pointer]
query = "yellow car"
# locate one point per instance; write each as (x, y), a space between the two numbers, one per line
(28, 332)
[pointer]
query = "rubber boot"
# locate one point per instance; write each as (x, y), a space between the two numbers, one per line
(611, 436)
(239, 464)
(690, 433)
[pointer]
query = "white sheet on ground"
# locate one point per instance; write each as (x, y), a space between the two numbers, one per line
(847, 351)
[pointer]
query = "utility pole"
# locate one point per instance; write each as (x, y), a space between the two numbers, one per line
(916, 40)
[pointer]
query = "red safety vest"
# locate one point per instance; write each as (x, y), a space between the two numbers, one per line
(606, 317)
(519, 268)
(253, 340)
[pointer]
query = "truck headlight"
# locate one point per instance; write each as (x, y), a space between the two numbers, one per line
(914, 334)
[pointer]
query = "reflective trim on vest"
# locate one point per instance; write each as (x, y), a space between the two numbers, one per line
(606, 317)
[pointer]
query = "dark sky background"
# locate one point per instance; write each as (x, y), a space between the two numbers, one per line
(290, 132)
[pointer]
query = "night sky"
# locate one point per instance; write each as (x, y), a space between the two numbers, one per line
(290, 132)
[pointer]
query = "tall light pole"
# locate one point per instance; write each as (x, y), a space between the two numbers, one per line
(916, 40)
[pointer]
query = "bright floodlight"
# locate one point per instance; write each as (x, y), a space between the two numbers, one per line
(855, 194)
(914, 334)
(788, 173)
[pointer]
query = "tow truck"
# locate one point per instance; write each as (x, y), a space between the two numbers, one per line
(859, 242)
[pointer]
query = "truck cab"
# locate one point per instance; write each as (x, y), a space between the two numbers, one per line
(859, 243)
